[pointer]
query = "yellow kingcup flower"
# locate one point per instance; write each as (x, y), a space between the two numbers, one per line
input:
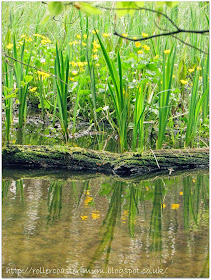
(106, 34)
(156, 57)
(80, 64)
(71, 79)
(194, 181)
(200, 78)
(29, 39)
(73, 43)
(93, 31)
(23, 36)
(144, 34)
(134, 38)
(21, 43)
(9, 46)
(85, 36)
(140, 52)
(83, 44)
(198, 68)
(173, 76)
(174, 206)
(137, 44)
(74, 64)
(96, 45)
(167, 51)
(78, 36)
(184, 82)
(33, 89)
(45, 41)
(74, 73)
(163, 205)
(37, 35)
(95, 50)
(191, 70)
(43, 74)
(181, 193)
(124, 34)
(147, 48)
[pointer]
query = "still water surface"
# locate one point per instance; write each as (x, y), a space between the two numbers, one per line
(103, 227)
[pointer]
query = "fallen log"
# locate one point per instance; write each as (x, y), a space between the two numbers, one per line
(79, 159)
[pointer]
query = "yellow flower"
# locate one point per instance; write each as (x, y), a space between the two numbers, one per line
(73, 43)
(29, 39)
(78, 36)
(95, 56)
(84, 218)
(9, 46)
(23, 36)
(43, 74)
(161, 82)
(33, 89)
(134, 38)
(74, 64)
(174, 206)
(87, 192)
(147, 48)
(124, 34)
(106, 34)
(38, 35)
(200, 78)
(97, 64)
(163, 205)
(140, 52)
(71, 79)
(96, 45)
(83, 44)
(93, 31)
(181, 193)
(21, 43)
(45, 41)
(95, 50)
(74, 73)
(191, 70)
(156, 57)
(80, 64)
(198, 68)
(144, 34)
(184, 82)
(137, 44)
(95, 215)
(173, 76)
(167, 51)
(85, 36)
(147, 188)
(194, 181)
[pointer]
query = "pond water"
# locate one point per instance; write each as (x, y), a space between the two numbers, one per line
(93, 225)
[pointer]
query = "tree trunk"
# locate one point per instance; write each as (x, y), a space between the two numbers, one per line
(76, 159)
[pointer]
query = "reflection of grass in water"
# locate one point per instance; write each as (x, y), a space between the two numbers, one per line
(109, 223)
(55, 200)
(155, 223)
(19, 188)
(5, 188)
(205, 271)
(133, 208)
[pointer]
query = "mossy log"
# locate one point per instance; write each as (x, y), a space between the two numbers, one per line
(79, 159)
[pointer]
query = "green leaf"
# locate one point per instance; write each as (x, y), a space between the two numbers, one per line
(171, 4)
(10, 96)
(55, 8)
(127, 8)
(88, 9)
(28, 78)
(45, 18)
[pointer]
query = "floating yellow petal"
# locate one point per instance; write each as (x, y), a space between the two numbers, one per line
(174, 206)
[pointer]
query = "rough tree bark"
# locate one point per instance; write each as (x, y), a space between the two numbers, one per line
(76, 159)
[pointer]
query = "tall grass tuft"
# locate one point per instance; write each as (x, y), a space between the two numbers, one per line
(164, 94)
(120, 100)
(62, 72)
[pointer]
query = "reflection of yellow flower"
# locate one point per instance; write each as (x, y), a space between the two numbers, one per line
(137, 44)
(95, 215)
(43, 74)
(144, 34)
(147, 48)
(184, 82)
(191, 70)
(167, 51)
(156, 57)
(181, 193)
(33, 89)
(9, 46)
(74, 73)
(198, 68)
(84, 218)
(174, 206)
(106, 34)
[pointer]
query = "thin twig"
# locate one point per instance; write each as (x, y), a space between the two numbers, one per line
(155, 158)
(36, 68)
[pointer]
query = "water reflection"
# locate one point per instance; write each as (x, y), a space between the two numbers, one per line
(84, 225)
